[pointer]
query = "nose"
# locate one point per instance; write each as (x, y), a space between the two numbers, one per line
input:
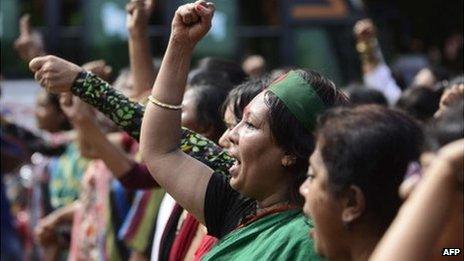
(304, 189)
(233, 134)
(224, 140)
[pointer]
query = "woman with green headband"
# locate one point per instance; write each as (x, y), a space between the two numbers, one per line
(257, 213)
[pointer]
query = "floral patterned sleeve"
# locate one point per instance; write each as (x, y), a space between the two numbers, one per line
(128, 116)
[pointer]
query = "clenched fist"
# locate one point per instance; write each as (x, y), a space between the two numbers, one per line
(191, 22)
(56, 75)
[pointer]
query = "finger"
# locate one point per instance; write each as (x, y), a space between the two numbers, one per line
(185, 15)
(25, 24)
(206, 11)
(43, 83)
(38, 76)
(37, 63)
(100, 62)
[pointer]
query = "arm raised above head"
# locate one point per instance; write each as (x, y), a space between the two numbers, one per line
(182, 176)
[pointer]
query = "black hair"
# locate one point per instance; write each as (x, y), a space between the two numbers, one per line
(207, 77)
(360, 94)
(242, 95)
(209, 99)
(290, 135)
(420, 102)
(369, 146)
(233, 70)
(448, 127)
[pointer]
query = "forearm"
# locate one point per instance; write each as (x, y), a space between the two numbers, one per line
(161, 127)
(370, 54)
(99, 94)
(419, 223)
(113, 104)
(141, 64)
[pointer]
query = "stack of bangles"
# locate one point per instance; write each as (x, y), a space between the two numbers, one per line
(156, 102)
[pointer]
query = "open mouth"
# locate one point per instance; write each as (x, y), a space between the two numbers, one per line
(233, 171)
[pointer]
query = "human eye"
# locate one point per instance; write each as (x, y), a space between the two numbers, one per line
(249, 125)
(310, 174)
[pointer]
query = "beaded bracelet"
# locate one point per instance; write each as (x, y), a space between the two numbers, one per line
(164, 105)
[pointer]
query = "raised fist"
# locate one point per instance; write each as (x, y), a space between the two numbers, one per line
(138, 15)
(364, 30)
(56, 75)
(191, 22)
(29, 43)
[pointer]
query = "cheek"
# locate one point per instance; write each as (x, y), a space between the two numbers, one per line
(327, 223)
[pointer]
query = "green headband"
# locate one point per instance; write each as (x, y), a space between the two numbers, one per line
(299, 97)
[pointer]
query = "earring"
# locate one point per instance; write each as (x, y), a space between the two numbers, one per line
(288, 161)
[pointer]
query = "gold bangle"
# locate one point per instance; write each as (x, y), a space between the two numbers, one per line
(164, 105)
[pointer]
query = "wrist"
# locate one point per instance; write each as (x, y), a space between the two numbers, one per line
(137, 32)
(181, 44)
(79, 80)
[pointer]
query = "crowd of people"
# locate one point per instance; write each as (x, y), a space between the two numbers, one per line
(233, 162)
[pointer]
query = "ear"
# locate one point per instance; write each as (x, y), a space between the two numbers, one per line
(288, 160)
(353, 205)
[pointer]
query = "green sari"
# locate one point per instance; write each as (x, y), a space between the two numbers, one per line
(280, 236)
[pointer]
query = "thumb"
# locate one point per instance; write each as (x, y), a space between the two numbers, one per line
(37, 63)
(25, 24)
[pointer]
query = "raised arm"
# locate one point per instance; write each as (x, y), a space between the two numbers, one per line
(415, 232)
(183, 177)
(60, 76)
(376, 73)
(140, 57)
(30, 42)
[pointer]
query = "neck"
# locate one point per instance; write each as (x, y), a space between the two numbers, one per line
(363, 245)
(278, 198)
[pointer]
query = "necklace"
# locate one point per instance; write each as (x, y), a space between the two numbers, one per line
(273, 209)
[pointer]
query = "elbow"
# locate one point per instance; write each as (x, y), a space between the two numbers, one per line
(146, 152)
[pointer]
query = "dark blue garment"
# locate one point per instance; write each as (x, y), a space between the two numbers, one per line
(10, 245)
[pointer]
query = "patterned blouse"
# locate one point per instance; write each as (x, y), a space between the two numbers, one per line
(128, 116)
